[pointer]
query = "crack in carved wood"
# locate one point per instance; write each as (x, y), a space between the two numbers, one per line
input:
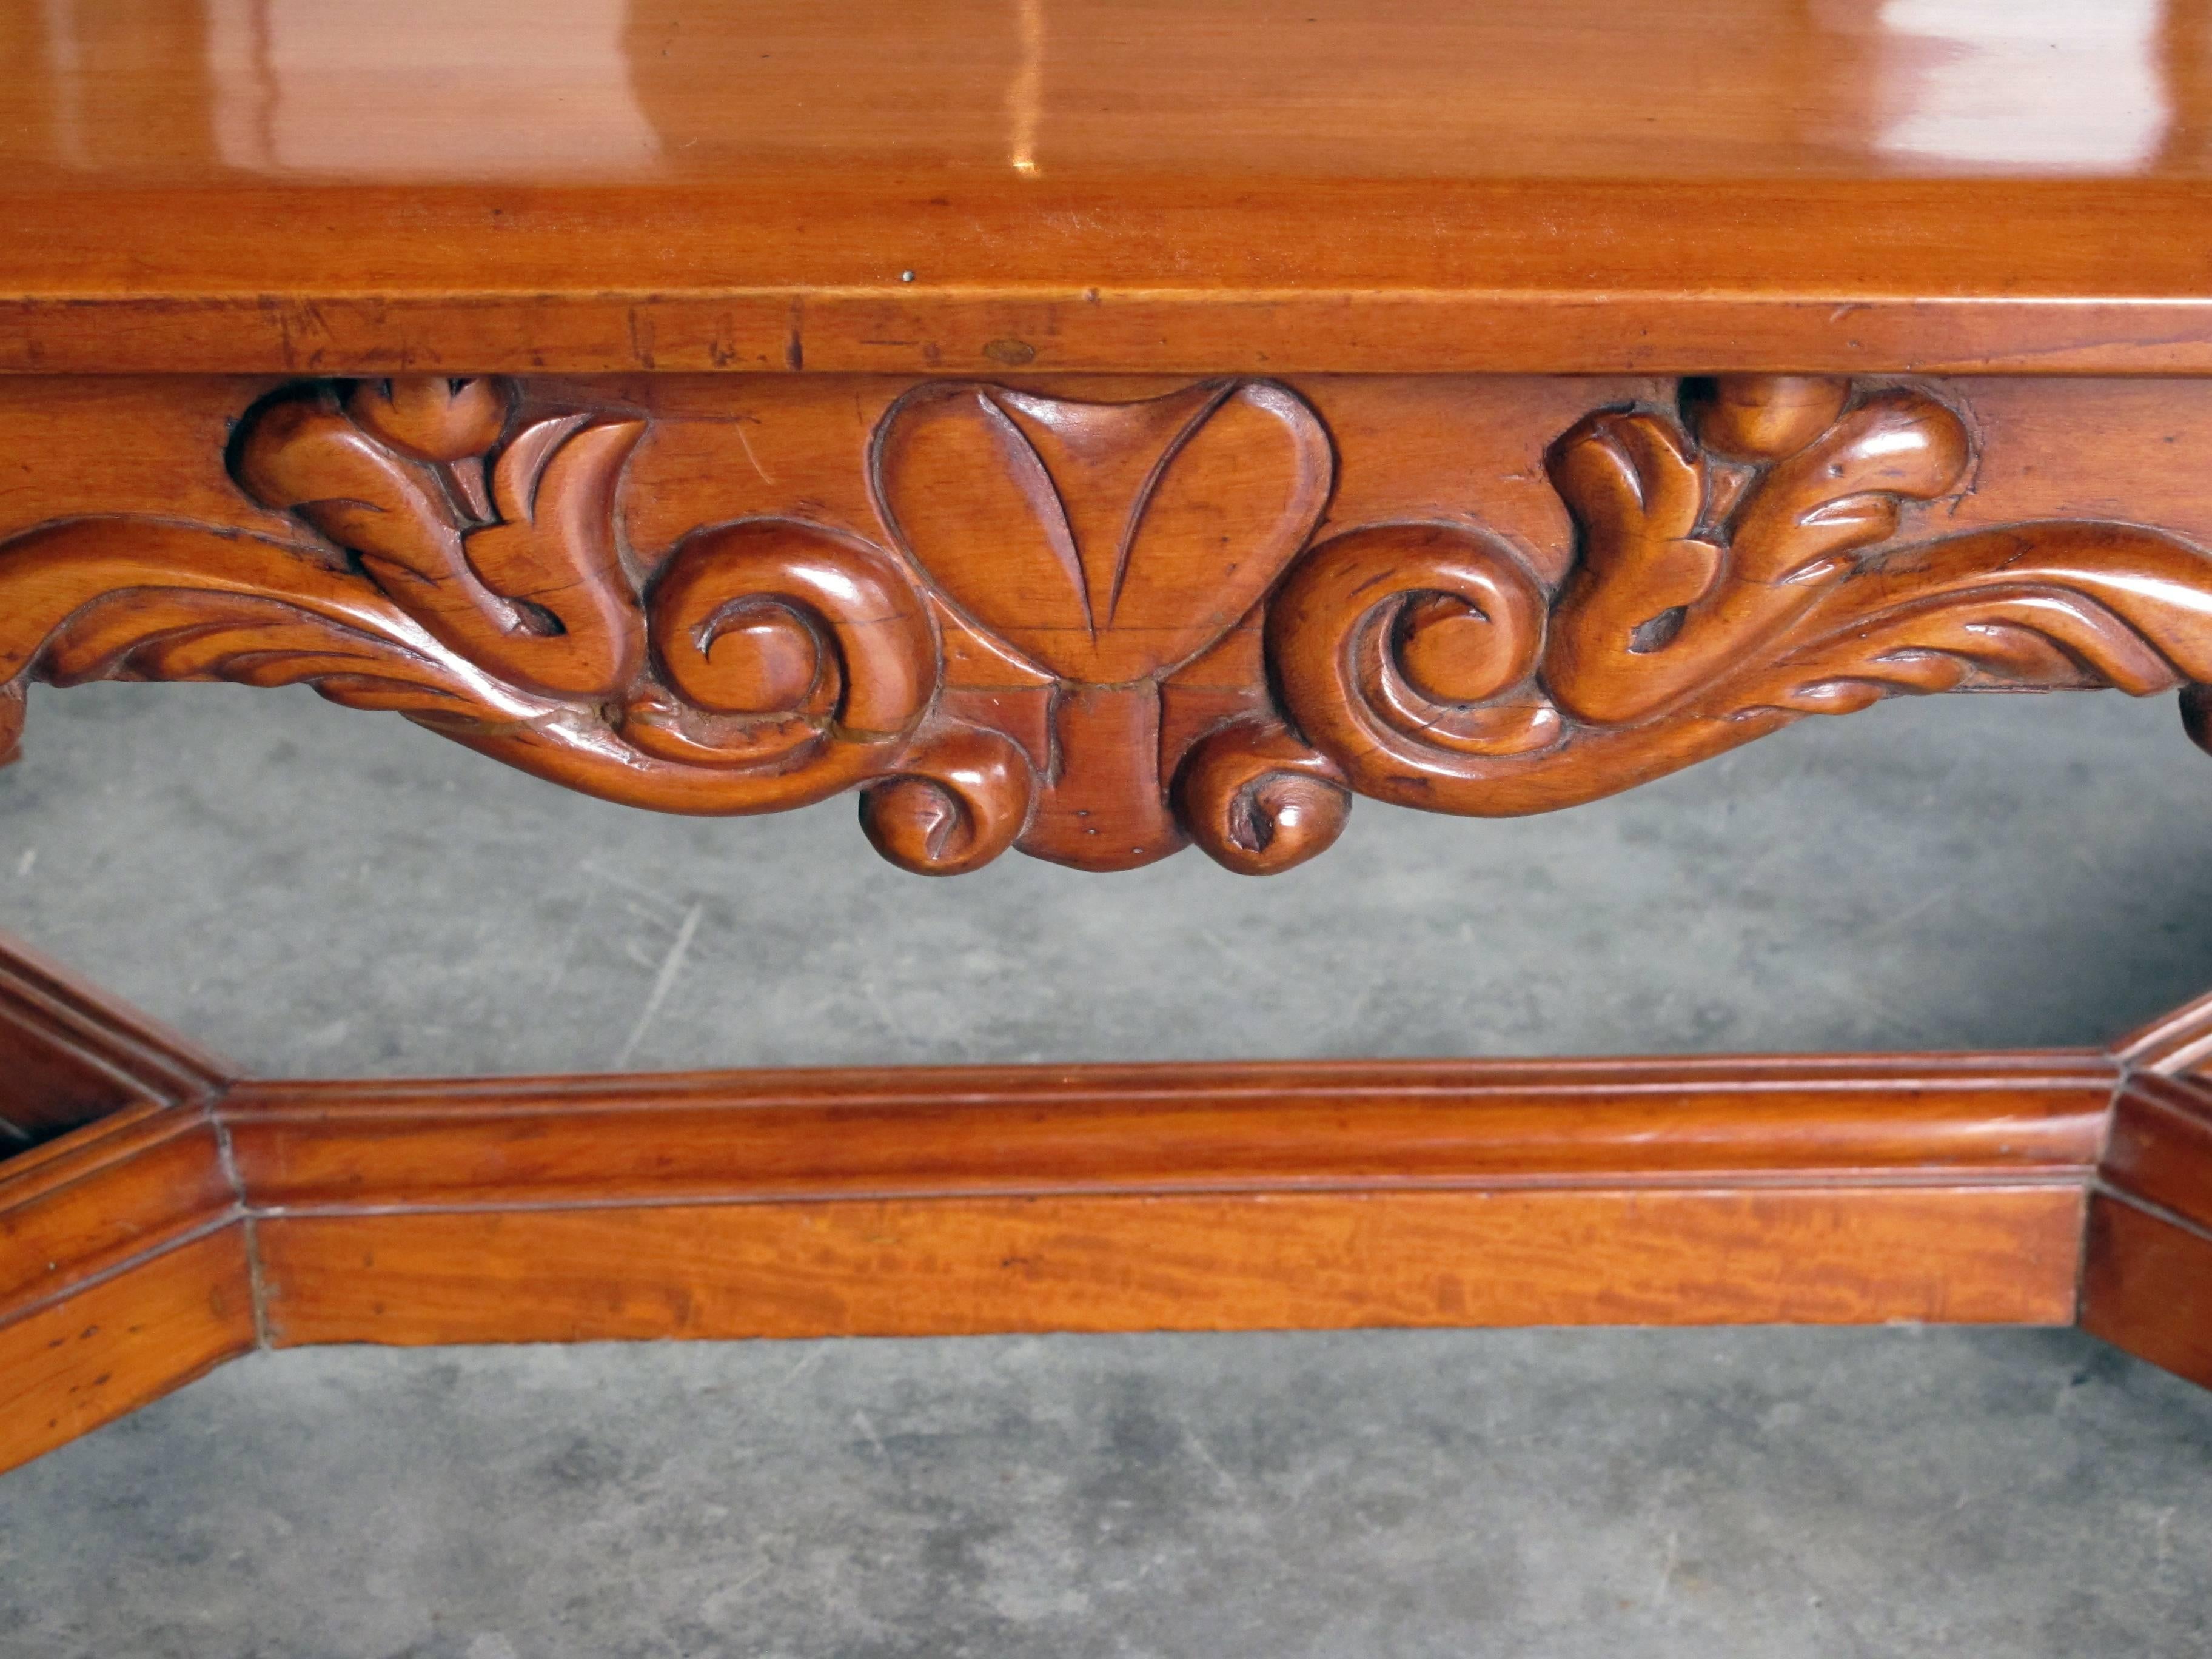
(1095, 629)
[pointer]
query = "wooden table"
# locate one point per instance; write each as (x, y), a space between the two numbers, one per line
(1083, 427)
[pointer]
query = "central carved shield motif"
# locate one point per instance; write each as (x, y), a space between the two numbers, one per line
(1106, 545)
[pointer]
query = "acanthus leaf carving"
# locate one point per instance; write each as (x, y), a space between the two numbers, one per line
(99, 598)
(1093, 629)
(1696, 617)
(535, 596)
(1669, 590)
(500, 615)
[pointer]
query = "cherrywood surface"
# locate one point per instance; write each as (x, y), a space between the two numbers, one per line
(124, 1272)
(1211, 1262)
(2158, 1146)
(2175, 1045)
(2146, 1286)
(2147, 1279)
(118, 1343)
(1115, 425)
(918, 1200)
(130, 1185)
(2011, 1119)
(1099, 619)
(1547, 185)
(70, 1054)
(137, 1250)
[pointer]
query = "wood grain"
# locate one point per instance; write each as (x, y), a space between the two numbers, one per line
(129, 1186)
(2146, 1286)
(1101, 185)
(124, 1272)
(914, 1200)
(2147, 1271)
(1116, 426)
(1255, 329)
(2158, 1148)
(757, 1136)
(121, 1342)
(2175, 1045)
(921, 1201)
(1195, 1263)
(1518, 88)
(1090, 1198)
(70, 1054)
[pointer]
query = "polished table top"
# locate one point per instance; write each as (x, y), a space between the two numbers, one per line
(167, 168)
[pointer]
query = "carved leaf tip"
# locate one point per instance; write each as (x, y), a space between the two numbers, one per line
(569, 455)
(1762, 417)
(429, 417)
(537, 599)
(1843, 492)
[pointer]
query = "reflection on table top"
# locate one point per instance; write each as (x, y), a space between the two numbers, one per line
(1828, 150)
(555, 91)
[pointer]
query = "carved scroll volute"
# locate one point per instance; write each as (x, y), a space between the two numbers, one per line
(769, 628)
(1407, 652)
(1259, 801)
(1107, 544)
(954, 803)
(1671, 583)
(799, 658)
(536, 594)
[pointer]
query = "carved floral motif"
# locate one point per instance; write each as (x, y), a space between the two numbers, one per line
(1095, 629)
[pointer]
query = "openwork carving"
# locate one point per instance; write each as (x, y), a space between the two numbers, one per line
(1096, 629)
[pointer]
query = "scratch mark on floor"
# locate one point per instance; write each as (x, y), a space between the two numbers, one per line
(1911, 912)
(867, 1426)
(598, 872)
(663, 983)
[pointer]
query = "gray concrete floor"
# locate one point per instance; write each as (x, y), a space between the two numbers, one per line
(317, 891)
(1654, 1494)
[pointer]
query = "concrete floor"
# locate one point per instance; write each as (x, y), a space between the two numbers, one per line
(1632, 1494)
(318, 891)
